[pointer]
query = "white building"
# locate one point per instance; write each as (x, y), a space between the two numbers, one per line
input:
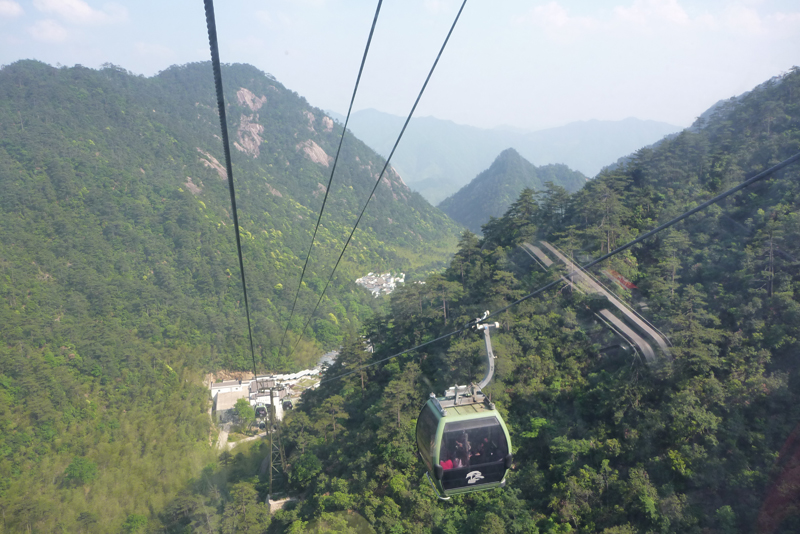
(382, 283)
(226, 387)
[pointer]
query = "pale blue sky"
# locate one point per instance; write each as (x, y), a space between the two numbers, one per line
(528, 64)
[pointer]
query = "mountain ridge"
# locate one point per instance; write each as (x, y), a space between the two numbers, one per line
(492, 191)
(702, 440)
(120, 285)
(437, 157)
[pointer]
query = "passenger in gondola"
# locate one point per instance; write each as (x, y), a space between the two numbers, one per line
(481, 452)
(461, 454)
(446, 464)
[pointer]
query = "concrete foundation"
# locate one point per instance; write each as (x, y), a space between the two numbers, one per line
(278, 504)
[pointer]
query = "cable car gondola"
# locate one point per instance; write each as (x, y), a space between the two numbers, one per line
(462, 438)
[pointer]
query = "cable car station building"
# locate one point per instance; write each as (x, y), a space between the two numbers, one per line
(225, 394)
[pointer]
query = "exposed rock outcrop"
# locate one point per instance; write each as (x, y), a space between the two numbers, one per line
(397, 178)
(211, 161)
(247, 98)
(249, 135)
(314, 152)
(192, 187)
(310, 117)
(320, 189)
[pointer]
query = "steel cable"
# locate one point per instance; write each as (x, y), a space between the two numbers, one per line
(380, 176)
(626, 246)
(333, 170)
(223, 121)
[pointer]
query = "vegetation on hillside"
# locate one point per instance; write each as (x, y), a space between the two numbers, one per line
(603, 441)
(491, 192)
(119, 280)
(107, 319)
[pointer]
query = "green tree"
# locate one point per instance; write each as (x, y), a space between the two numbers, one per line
(244, 411)
(444, 291)
(243, 512)
(81, 471)
(605, 213)
(353, 356)
(296, 427)
(134, 524)
(524, 214)
(333, 407)
(554, 206)
(304, 470)
(467, 264)
(674, 246)
(492, 524)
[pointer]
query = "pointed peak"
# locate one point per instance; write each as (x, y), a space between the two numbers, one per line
(508, 153)
(509, 158)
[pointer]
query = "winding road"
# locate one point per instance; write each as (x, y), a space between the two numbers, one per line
(579, 277)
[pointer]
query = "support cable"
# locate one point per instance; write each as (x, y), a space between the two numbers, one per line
(383, 171)
(333, 170)
(626, 246)
(223, 122)
(676, 220)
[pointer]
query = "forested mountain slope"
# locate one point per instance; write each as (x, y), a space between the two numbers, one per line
(119, 281)
(700, 442)
(491, 192)
(139, 161)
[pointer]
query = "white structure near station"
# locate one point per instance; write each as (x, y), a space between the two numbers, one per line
(227, 386)
(379, 284)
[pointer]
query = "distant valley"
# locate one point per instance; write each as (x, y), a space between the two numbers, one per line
(437, 157)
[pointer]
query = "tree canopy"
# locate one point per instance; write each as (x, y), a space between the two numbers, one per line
(119, 292)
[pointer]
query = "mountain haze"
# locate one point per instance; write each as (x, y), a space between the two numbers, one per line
(492, 192)
(437, 157)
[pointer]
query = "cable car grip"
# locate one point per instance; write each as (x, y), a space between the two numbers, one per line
(490, 357)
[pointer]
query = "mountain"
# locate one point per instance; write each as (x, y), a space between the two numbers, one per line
(119, 278)
(437, 157)
(492, 192)
(118, 292)
(720, 108)
(705, 440)
(155, 140)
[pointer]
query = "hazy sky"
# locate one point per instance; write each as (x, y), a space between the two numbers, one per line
(528, 64)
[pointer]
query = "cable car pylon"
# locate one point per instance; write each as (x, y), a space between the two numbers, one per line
(277, 460)
(462, 439)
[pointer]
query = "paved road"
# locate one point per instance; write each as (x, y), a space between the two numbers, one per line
(245, 440)
(579, 277)
(537, 252)
(222, 442)
(643, 345)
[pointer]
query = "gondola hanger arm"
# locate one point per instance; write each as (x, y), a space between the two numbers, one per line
(490, 357)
